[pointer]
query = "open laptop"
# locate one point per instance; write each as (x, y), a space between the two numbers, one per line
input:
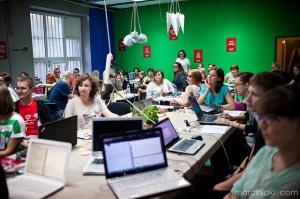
(136, 164)
(141, 105)
(46, 170)
(102, 126)
(203, 118)
(64, 130)
(210, 108)
(175, 144)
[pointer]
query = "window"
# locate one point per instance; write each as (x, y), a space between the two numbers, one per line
(56, 42)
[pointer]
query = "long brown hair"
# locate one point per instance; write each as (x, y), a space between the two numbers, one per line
(94, 84)
(7, 104)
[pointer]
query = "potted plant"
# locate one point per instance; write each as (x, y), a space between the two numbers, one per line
(151, 112)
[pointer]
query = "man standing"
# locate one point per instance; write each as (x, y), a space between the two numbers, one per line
(33, 112)
(56, 73)
(61, 92)
(75, 75)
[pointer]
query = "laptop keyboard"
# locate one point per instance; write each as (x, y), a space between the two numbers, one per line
(98, 161)
(145, 180)
(184, 145)
(33, 185)
(209, 118)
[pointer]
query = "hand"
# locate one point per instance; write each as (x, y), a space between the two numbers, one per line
(207, 85)
(165, 92)
(227, 116)
(222, 121)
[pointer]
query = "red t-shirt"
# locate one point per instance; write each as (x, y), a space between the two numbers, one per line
(30, 116)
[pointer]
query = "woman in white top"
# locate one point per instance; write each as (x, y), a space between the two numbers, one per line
(185, 62)
(232, 75)
(194, 79)
(86, 105)
(160, 86)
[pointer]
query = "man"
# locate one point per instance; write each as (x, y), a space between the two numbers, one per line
(259, 85)
(107, 89)
(33, 112)
(61, 92)
(56, 73)
(75, 75)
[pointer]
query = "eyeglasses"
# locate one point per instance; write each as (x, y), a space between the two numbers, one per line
(21, 88)
(238, 84)
(268, 119)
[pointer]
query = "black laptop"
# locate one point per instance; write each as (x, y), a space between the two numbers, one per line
(64, 130)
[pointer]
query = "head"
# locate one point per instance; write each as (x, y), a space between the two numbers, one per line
(200, 66)
(142, 74)
(136, 71)
(7, 104)
(25, 87)
(24, 74)
(259, 85)
(234, 70)
(181, 54)
(86, 85)
(210, 66)
(242, 83)
(278, 116)
(67, 76)
(76, 72)
(275, 67)
(150, 72)
(5, 78)
(203, 73)
(159, 76)
(296, 70)
(96, 73)
(56, 72)
(194, 77)
(216, 78)
(177, 67)
(50, 79)
(121, 74)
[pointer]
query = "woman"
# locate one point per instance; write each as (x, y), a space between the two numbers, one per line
(276, 166)
(194, 79)
(160, 86)
(232, 75)
(296, 78)
(85, 105)
(150, 72)
(202, 71)
(242, 84)
(5, 78)
(12, 126)
(144, 80)
(136, 72)
(121, 79)
(215, 91)
(179, 76)
(185, 62)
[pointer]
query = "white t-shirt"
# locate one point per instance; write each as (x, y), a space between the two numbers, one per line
(84, 113)
(185, 63)
(154, 91)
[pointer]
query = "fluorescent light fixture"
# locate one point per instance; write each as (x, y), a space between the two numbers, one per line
(138, 0)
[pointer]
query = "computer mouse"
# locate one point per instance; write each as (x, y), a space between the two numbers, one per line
(197, 137)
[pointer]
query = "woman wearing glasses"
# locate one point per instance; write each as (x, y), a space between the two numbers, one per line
(185, 62)
(179, 79)
(194, 79)
(276, 166)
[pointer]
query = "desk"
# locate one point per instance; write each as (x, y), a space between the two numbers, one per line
(95, 186)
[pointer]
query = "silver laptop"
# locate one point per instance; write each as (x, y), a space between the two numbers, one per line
(102, 126)
(46, 169)
(136, 164)
(175, 144)
(203, 118)
(141, 105)
(210, 108)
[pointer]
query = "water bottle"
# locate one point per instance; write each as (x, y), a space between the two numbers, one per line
(128, 88)
(175, 90)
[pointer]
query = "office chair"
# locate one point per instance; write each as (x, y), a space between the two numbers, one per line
(120, 108)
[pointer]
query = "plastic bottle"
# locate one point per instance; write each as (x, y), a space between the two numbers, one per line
(175, 90)
(128, 88)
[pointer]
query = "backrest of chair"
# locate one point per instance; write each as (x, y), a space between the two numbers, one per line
(120, 108)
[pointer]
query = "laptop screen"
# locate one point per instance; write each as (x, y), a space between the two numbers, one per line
(131, 75)
(195, 106)
(133, 152)
(168, 130)
(104, 125)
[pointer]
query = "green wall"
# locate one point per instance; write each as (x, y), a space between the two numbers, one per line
(254, 24)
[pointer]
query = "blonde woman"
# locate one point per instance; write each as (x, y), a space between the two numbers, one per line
(194, 79)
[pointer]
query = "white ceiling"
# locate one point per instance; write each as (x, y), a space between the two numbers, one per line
(121, 4)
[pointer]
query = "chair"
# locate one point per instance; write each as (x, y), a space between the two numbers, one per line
(120, 108)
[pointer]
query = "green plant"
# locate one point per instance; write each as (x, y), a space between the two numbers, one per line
(151, 112)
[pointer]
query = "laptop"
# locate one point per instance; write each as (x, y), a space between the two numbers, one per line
(175, 144)
(46, 170)
(103, 125)
(52, 106)
(210, 108)
(141, 105)
(131, 76)
(203, 118)
(64, 130)
(136, 164)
